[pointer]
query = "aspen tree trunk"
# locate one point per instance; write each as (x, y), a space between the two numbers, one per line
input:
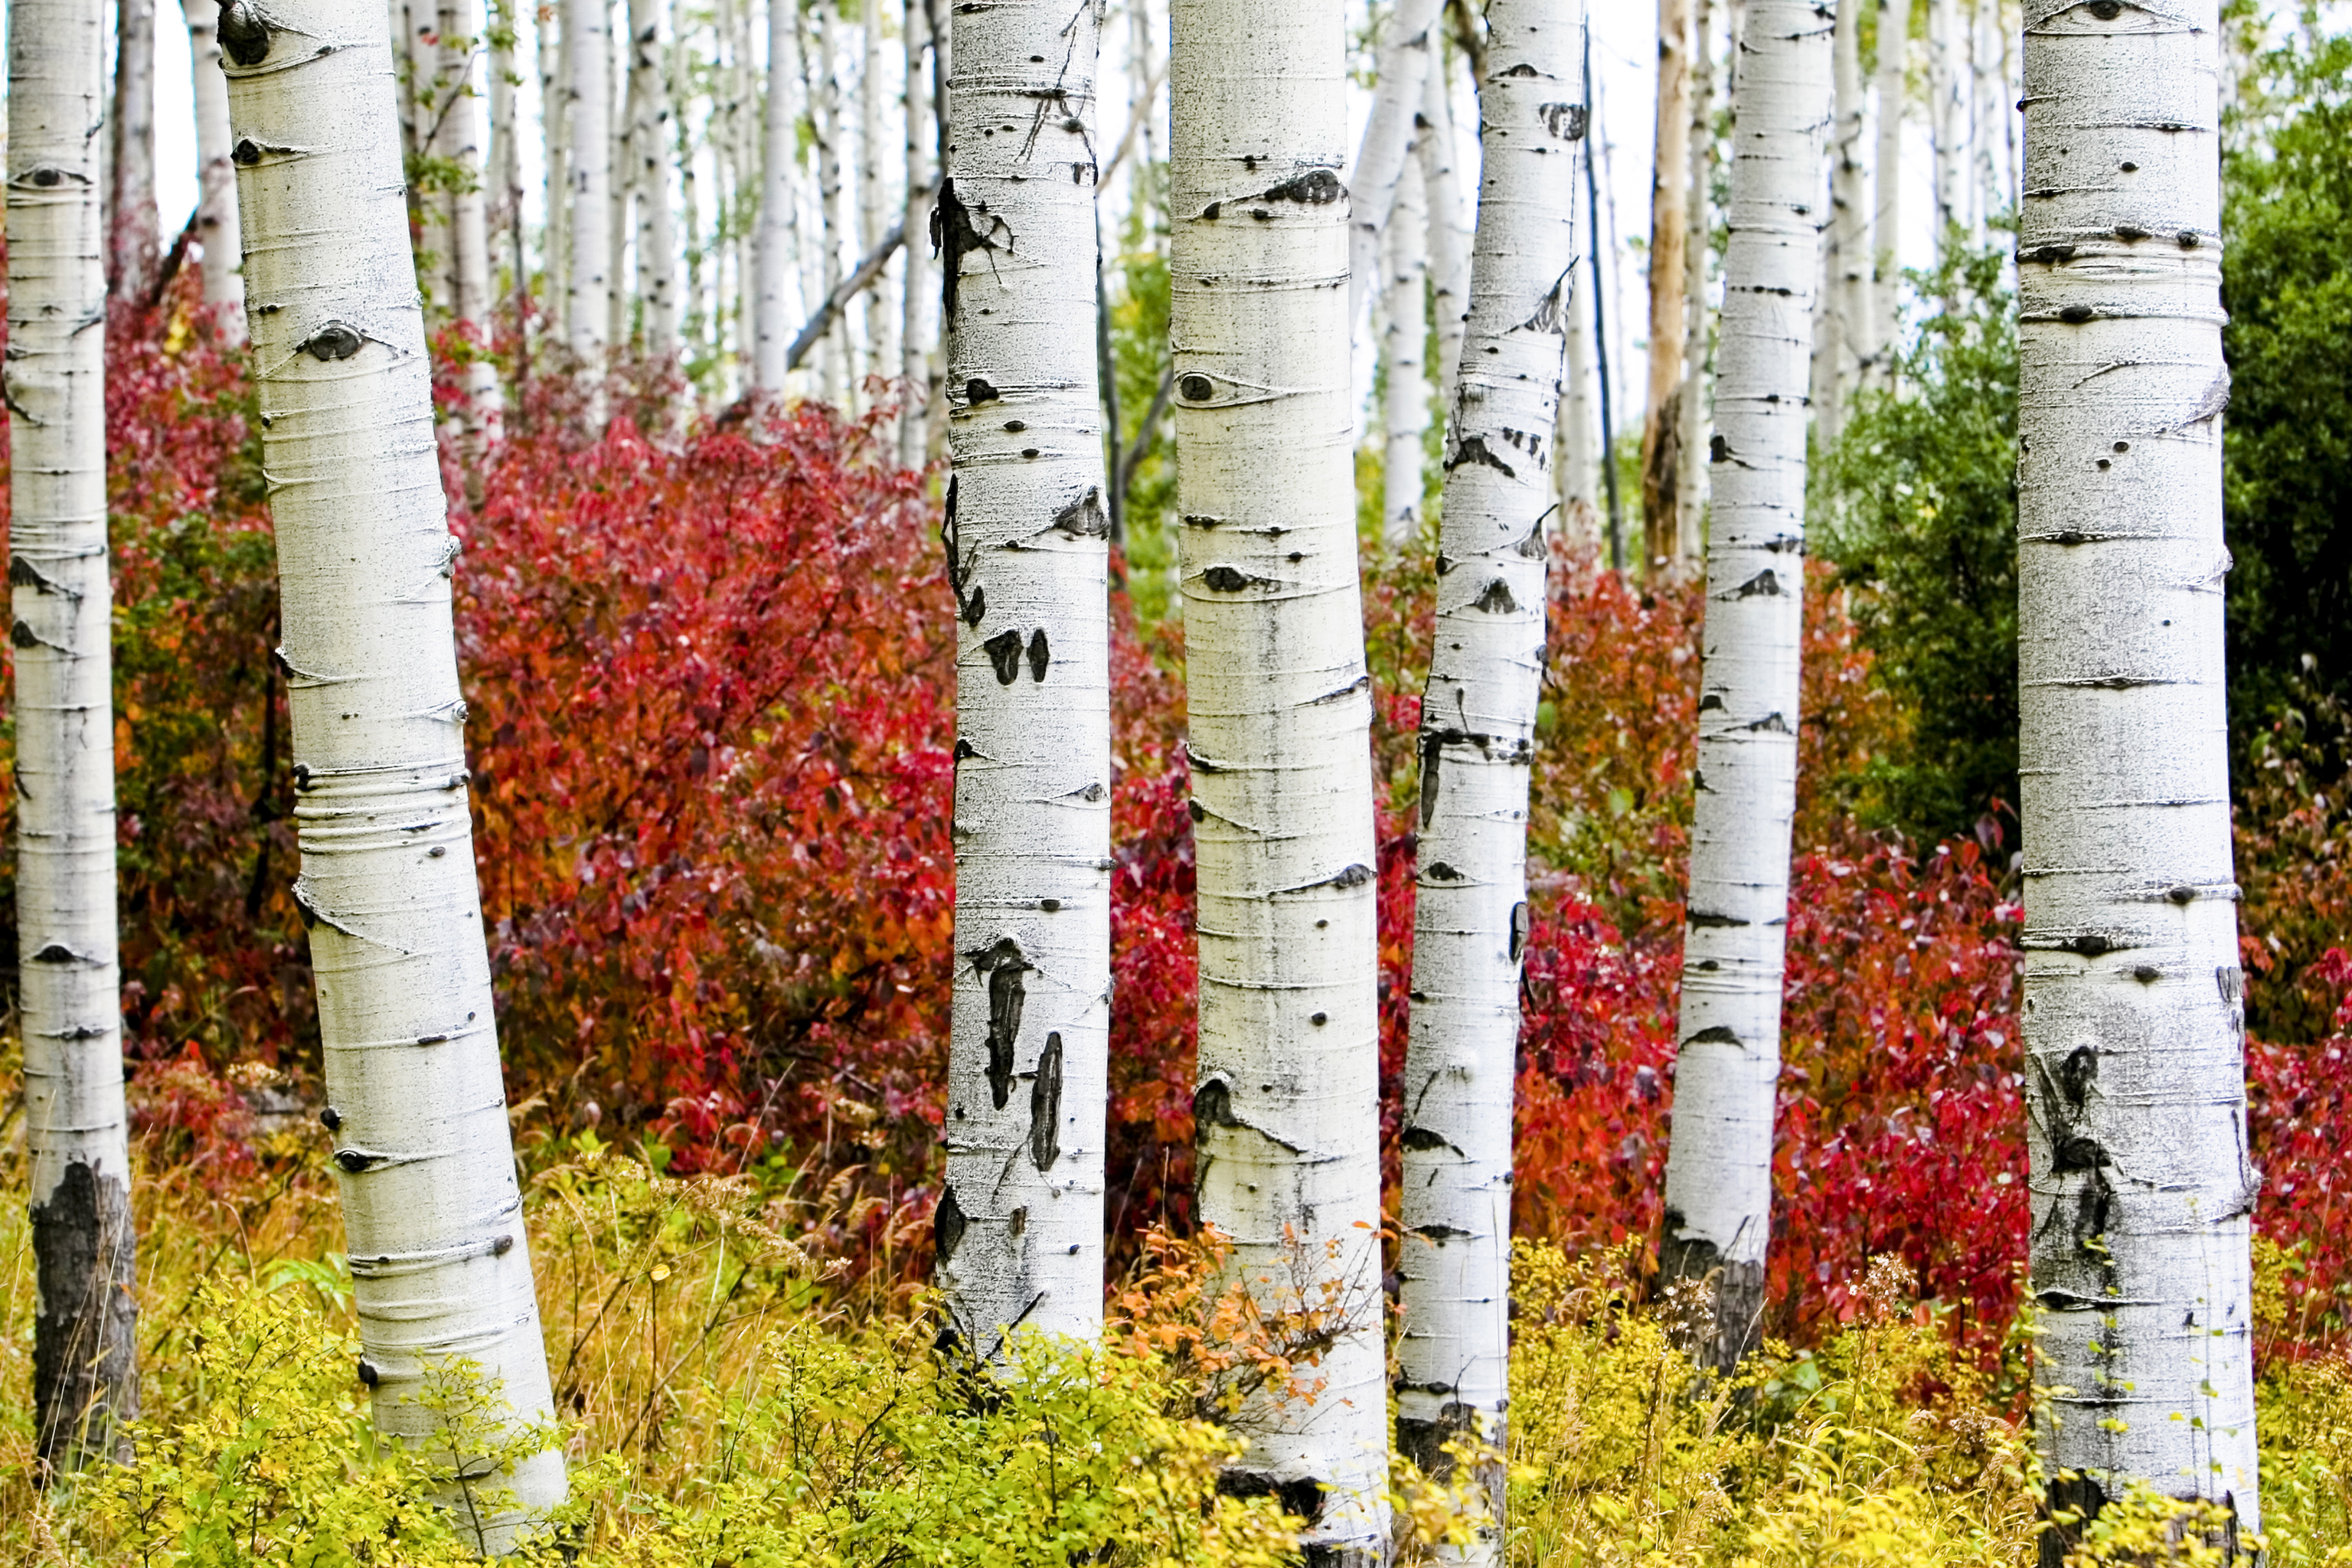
(433, 1218)
(1406, 56)
(217, 229)
(457, 141)
(587, 97)
(555, 136)
(1690, 441)
(880, 357)
(1478, 746)
(84, 1351)
(915, 327)
(1404, 334)
(1449, 236)
(621, 292)
(825, 96)
(133, 237)
(2134, 1014)
(506, 152)
(1285, 1113)
(776, 255)
(1661, 424)
(1577, 444)
(649, 112)
(745, 134)
(1887, 191)
(1944, 121)
(1844, 305)
(1020, 1221)
(1719, 1161)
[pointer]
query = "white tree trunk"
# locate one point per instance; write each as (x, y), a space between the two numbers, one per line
(1718, 1193)
(555, 135)
(621, 292)
(1944, 118)
(2134, 1014)
(1886, 192)
(133, 235)
(1669, 281)
(1478, 746)
(440, 1264)
(824, 97)
(1020, 1222)
(217, 229)
(1449, 232)
(70, 1006)
(1406, 56)
(915, 298)
(1690, 444)
(881, 345)
(777, 253)
(457, 141)
(506, 155)
(588, 149)
(1286, 1112)
(1404, 332)
(649, 139)
(1843, 307)
(1577, 466)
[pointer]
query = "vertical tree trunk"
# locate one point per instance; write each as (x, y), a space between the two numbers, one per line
(1020, 1223)
(1886, 192)
(1720, 1161)
(824, 97)
(621, 292)
(457, 143)
(1944, 120)
(1690, 441)
(587, 97)
(1478, 747)
(85, 1350)
(555, 136)
(1449, 236)
(132, 228)
(217, 229)
(1661, 424)
(881, 350)
(777, 253)
(1285, 1113)
(649, 112)
(915, 327)
(1404, 334)
(506, 152)
(2134, 1009)
(1406, 55)
(1842, 316)
(1577, 446)
(433, 1218)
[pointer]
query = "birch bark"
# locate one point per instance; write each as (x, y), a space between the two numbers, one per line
(132, 232)
(2134, 1013)
(1719, 1161)
(1843, 306)
(1576, 467)
(506, 152)
(1886, 190)
(1478, 746)
(85, 1354)
(649, 112)
(555, 136)
(1020, 1224)
(1670, 167)
(1690, 442)
(457, 141)
(1286, 1112)
(1449, 235)
(1944, 119)
(216, 230)
(915, 296)
(1404, 332)
(440, 1264)
(588, 151)
(880, 347)
(1405, 56)
(776, 255)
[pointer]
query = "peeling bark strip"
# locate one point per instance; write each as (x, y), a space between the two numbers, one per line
(1478, 743)
(1287, 1077)
(85, 1376)
(2135, 1078)
(425, 1163)
(1719, 1159)
(1020, 1243)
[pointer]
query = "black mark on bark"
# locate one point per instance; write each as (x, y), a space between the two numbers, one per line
(1316, 188)
(1085, 517)
(85, 1365)
(1046, 1106)
(1497, 599)
(954, 236)
(1004, 651)
(947, 1225)
(1474, 449)
(1040, 656)
(244, 34)
(1003, 965)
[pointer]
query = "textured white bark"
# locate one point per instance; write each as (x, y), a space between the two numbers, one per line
(1886, 190)
(1449, 232)
(440, 1264)
(880, 355)
(1477, 744)
(1698, 320)
(914, 332)
(1404, 332)
(1576, 467)
(1286, 1112)
(132, 233)
(777, 253)
(1406, 54)
(85, 1376)
(1842, 310)
(1019, 1224)
(555, 136)
(1720, 1164)
(217, 229)
(588, 180)
(824, 97)
(457, 141)
(508, 240)
(621, 186)
(649, 151)
(1944, 114)
(2134, 1020)
(1669, 211)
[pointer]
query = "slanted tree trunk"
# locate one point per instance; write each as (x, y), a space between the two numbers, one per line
(649, 139)
(1660, 423)
(1406, 54)
(1478, 747)
(1449, 235)
(778, 250)
(70, 1005)
(131, 232)
(1285, 1112)
(431, 1216)
(1841, 318)
(1886, 192)
(1690, 439)
(216, 230)
(2133, 1015)
(1020, 1220)
(1404, 332)
(588, 151)
(1719, 1161)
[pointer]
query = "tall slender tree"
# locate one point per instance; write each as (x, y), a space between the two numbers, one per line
(85, 1354)
(1718, 1193)
(440, 1263)
(1477, 746)
(1449, 232)
(216, 230)
(1886, 190)
(1699, 320)
(1285, 1110)
(1405, 335)
(915, 330)
(1404, 58)
(1841, 313)
(778, 252)
(588, 202)
(2135, 1076)
(1020, 1224)
(1944, 121)
(457, 150)
(1670, 167)
(132, 228)
(649, 112)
